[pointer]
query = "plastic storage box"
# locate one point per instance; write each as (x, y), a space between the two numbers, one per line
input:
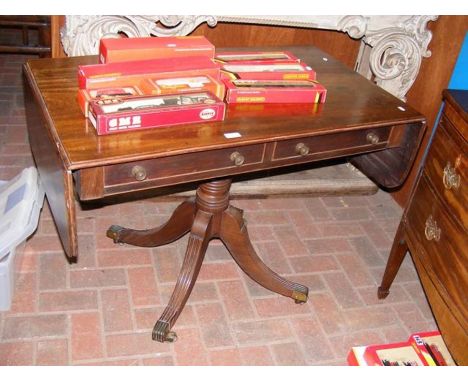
(21, 200)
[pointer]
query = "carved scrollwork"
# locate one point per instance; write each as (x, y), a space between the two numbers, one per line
(171, 25)
(355, 26)
(396, 56)
(397, 53)
(82, 33)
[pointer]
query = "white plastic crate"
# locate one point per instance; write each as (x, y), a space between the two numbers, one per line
(7, 280)
(21, 200)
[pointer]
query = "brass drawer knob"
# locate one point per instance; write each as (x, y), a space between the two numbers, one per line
(302, 149)
(372, 138)
(450, 178)
(432, 230)
(237, 158)
(139, 173)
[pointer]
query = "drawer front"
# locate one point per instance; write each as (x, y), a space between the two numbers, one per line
(444, 245)
(457, 120)
(184, 167)
(446, 167)
(345, 143)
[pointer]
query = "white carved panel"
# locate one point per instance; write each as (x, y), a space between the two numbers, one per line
(392, 54)
(81, 34)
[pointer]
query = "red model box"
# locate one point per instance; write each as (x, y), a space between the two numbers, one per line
(396, 354)
(432, 346)
(268, 70)
(179, 85)
(255, 57)
(145, 48)
(125, 73)
(256, 91)
(86, 96)
(270, 110)
(120, 115)
(150, 86)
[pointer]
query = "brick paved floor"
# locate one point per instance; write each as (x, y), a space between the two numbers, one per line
(102, 309)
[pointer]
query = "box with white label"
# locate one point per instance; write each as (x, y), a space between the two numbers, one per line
(121, 115)
(275, 91)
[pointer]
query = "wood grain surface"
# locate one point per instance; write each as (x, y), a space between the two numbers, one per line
(352, 103)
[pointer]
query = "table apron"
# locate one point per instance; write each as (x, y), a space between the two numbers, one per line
(102, 181)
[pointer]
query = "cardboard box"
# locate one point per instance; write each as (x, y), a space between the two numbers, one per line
(180, 85)
(120, 115)
(268, 70)
(118, 74)
(422, 349)
(432, 346)
(151, 86)
(255, 91)
(255, 57)
(396, 354)
(85, 96)
(271, 110)
(144, 48)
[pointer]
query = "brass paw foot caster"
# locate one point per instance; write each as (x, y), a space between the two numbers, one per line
(382, 293)
(113, 232)
(300, 297)
(171, 337)
(161, 333)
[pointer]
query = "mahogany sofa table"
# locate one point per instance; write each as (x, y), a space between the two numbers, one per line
(378, 133)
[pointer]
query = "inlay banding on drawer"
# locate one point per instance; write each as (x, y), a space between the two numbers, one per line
(190, 166)
(345, 143)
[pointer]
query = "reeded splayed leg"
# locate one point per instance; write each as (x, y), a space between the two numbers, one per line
(236, 238)
(178, 225)
(211, 200)
(196, 248)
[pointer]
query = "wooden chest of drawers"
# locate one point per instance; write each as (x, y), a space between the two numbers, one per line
(434, 227)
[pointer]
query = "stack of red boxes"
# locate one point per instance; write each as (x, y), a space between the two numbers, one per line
(269, 77)
(149, 82)
(132, 89)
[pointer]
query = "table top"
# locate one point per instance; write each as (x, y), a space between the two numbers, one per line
(352, 102)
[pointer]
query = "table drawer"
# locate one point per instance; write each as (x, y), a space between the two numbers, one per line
(443, 245)
(446, 167)
(344, 143)
(185, 167)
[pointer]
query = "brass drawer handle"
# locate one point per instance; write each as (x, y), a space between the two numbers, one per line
(451, 179)
(237, 158)
(432, 230)
(139, 173)
(302, 149)
(372, 138)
